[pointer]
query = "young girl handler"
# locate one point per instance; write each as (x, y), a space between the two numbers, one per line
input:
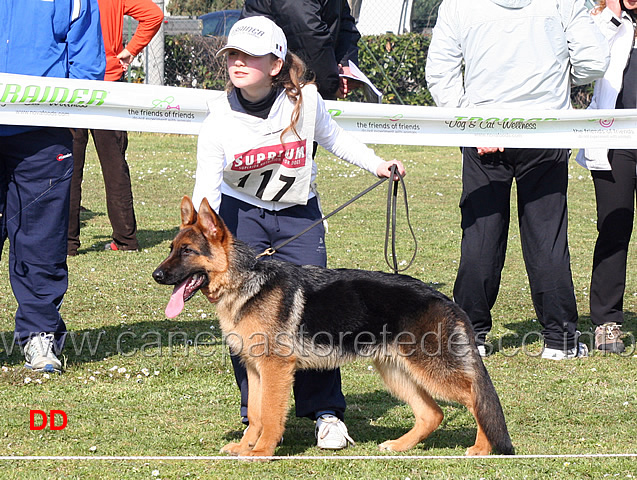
(255, 167)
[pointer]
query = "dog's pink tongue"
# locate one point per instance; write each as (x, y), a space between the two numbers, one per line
(176, 303)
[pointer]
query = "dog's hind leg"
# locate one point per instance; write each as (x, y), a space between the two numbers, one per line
(472, 388)
(485, 407)
(427, 413)
(482, 446)
(277, 377)
(468, 398)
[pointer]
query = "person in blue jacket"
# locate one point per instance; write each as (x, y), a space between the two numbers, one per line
(54, 38)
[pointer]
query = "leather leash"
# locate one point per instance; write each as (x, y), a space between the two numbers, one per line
(391, 218)
(392, 196)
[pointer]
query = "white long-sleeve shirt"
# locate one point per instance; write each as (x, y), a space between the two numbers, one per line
(228, 130)
(620, 34)
(516, 53)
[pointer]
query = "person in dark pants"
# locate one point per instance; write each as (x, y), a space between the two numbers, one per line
(111, 144)
(615, 194)
(516, 55)
(36, 165)
(614, 175)
(111, 150)
(541, 182)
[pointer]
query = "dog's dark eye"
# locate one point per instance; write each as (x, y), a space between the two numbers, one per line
(187, 251)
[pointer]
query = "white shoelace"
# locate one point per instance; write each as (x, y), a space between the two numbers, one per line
(327, 423)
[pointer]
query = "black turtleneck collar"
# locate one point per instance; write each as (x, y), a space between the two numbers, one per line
(261, 108)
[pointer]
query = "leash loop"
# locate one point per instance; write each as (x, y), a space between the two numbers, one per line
(268, 251)
(390, 221)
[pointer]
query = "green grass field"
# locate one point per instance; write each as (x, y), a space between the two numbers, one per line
(137, 384)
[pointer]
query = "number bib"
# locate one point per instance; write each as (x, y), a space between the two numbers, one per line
(276, 171)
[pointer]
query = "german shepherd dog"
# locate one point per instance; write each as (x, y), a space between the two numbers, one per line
(280, 317)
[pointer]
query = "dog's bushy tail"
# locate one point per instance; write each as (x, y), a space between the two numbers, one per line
(489, 413)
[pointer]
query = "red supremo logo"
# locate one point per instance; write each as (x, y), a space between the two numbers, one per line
(291, 155)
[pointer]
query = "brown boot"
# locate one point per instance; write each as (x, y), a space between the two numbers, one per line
(608, 338)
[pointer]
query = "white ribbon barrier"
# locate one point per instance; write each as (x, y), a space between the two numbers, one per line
(63, 102)
(28, 100)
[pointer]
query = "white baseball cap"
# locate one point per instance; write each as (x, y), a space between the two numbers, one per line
(257, 36)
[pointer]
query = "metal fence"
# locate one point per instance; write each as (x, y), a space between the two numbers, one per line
(375, 17)
(191, 61)
(150, 66)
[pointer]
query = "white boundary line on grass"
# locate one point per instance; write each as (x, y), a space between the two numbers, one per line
(319, 457)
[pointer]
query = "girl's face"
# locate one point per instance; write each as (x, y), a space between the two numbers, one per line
(253, 75)
(630, 4)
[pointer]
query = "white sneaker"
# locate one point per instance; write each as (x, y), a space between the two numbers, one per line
(557, 354)
(39, 354)
(482, 351)
(331, 433)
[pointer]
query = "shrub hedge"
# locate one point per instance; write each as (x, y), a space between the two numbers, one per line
(190, 61)
(394, 63)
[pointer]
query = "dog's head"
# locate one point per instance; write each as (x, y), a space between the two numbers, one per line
(198, 256)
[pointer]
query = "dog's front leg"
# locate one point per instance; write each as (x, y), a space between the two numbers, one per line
(277, 377)
(253, 432)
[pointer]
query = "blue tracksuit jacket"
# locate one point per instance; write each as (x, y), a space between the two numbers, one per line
(50, 38)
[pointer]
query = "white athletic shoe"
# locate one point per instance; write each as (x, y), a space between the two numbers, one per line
(482, 351)
(331, 433)
(557, 354)
(39, 354)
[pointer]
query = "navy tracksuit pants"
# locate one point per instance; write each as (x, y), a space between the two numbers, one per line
(315, 391)
(35, 176)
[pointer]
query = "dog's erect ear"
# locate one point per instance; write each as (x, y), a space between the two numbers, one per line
(188, 213)
(212, 225)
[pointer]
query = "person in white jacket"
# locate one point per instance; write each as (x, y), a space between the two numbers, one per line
(515, 54)
(614, 175)
(255, 167)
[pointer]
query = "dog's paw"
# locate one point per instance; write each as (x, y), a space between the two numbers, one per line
(232, 449)
(477, 451)
(255, 454)
(391, 446)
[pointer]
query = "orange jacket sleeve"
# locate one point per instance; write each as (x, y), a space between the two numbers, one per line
(112, 14)
(149, 16)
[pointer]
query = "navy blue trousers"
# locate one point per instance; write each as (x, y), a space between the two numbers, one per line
(315, 391)
(35, 177)
(541, 179)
